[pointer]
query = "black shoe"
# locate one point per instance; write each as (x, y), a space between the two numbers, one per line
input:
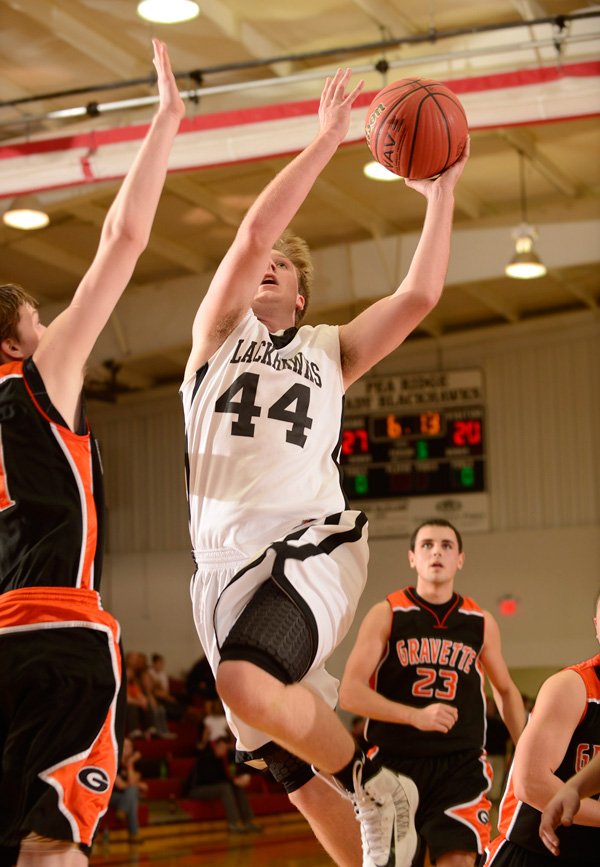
(251, 826)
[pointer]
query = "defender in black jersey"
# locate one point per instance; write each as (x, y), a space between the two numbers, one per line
(560, 738)
(61, 685)
(417, 673)
(563, 806)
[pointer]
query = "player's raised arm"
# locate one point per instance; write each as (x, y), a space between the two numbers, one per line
(68, 341)
(239, 274)
(383, 326)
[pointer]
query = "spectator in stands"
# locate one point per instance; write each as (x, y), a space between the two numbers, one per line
(161, 690)
(157, 672)
(215, 724)
(126, 793)
(211, 778)
(200, 681)
(151, 714)
(138, 719)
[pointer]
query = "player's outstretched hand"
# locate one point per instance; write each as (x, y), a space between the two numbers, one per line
(336, 103)
(437, 718)
(560, 810)
(170, 99)
(447, 180)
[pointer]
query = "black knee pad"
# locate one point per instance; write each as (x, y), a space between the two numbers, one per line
(272, 633)
(286, 768)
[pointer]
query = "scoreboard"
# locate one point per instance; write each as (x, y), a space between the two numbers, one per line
(416, 436)
(432, 452)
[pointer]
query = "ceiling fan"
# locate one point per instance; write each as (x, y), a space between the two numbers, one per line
(107, 387)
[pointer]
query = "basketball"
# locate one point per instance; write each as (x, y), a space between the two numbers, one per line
(416, 128)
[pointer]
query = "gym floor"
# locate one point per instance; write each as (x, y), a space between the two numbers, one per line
(286, 841)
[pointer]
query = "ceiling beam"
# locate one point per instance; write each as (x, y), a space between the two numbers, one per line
(362, 214)
(432, 325)
(386, 15)
(573, 289)
(523, 141)
(72, 23)
(11, 90)
(51, 255)
(530, 9)
(194, 194)
(256, 43)
(468, 203)
(161, 245)
(489, 298)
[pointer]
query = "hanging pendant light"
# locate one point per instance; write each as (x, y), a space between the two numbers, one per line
(26, 213)
(525, 264)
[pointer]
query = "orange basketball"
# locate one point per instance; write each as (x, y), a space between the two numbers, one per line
(416, 128)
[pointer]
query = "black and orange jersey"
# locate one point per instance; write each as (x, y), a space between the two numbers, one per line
(51, 498)
(432, 655)
(520, 823)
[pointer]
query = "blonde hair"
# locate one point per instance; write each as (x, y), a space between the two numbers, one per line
(297, 251)
(12, 299)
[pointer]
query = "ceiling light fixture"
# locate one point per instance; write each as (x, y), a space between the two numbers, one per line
(376, 172)
(168, 11)
(26, 213)
(525, 264)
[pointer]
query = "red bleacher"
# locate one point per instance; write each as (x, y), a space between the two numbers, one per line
(166, 764)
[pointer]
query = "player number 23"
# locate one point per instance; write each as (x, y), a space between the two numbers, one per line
(427, 686)
(246, 408)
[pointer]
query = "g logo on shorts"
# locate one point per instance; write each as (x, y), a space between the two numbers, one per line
(94, 779)
(483, 816)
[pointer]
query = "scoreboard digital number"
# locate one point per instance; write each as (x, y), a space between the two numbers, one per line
(430, 452)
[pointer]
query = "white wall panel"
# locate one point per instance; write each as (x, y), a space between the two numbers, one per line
(142, 449)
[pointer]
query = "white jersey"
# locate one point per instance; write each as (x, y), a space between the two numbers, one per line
(263, 421)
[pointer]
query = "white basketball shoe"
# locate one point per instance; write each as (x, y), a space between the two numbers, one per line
(385, 806)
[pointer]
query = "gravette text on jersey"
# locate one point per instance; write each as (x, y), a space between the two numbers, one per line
(263, 352)
(416, 651)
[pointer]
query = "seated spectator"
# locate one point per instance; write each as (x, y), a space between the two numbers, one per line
(200, 681)
(150, 715)
(126, 793)
(214, 723)
(138, 719)
(159, 681)
(210, 778)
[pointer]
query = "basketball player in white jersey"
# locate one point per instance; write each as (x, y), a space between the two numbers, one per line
(281, 560)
